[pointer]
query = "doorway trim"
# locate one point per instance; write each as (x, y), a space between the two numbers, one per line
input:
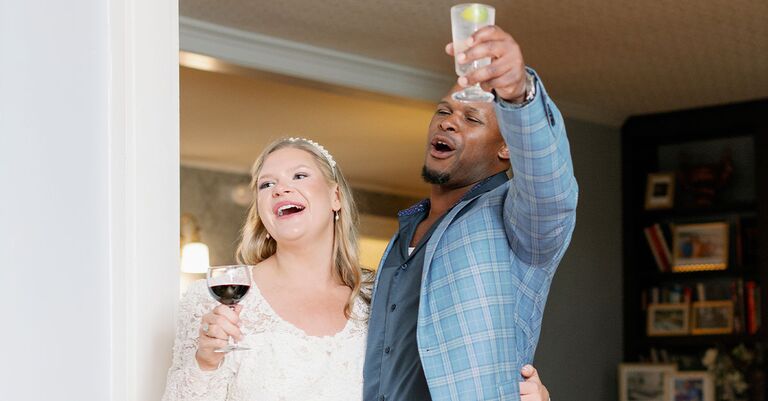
(144, 194)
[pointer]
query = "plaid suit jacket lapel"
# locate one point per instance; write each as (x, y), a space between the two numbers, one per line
(430, 245)
(435, 239)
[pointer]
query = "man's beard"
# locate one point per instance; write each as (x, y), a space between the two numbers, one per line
(433, 177)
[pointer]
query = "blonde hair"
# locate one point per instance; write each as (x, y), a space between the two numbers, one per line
(255, 245)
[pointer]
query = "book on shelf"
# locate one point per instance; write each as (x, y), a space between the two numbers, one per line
(659, 247)
(737, 296)
(655, 296)
(687, 295)
(753, 307)
(701, 292)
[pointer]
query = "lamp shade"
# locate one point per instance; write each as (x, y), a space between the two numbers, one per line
(194, 258)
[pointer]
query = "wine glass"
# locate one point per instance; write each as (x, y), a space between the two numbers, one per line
(228, 285)
(466, 19)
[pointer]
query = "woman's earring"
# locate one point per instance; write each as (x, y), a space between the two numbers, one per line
(268, 237)
(336, 214)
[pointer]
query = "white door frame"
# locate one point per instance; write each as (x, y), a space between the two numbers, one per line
(144, 193)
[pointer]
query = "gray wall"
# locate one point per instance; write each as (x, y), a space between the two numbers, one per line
(207, 195)
(581, 342)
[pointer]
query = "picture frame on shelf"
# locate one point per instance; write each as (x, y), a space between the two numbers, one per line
(660, 191)
(668, 319)
(700, 247)
(645, 381)
(712, 317)
(691, 386)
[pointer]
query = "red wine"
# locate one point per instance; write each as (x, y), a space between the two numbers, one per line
(229, 294)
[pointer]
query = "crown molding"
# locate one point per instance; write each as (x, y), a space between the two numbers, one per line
(318, 64)
(300, 60)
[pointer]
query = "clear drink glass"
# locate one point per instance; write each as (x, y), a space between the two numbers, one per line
(466, 19)
(229, 285)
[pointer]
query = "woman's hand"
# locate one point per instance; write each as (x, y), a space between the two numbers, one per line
(215, 329)
(532, 389)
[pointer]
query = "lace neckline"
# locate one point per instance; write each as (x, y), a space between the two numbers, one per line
(259, 298)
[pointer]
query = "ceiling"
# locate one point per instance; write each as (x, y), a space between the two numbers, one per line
(601, 61)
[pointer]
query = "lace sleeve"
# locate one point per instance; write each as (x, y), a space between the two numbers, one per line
(186, 381)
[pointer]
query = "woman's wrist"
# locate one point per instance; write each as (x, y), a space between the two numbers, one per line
(205, 364)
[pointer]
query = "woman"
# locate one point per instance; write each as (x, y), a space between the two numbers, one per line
(304, 318)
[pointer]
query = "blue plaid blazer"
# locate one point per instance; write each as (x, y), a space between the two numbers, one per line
(487, 272)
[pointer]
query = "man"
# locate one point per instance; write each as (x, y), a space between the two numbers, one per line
(460, 292)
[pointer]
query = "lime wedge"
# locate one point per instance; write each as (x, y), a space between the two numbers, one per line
(476, 14)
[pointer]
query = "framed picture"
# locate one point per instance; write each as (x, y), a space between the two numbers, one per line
(691, 386)
(645, 381)
(712, 317)
(660, 191)
(699, 247)
(667, 319)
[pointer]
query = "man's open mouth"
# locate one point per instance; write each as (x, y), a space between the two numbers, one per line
(441, 147)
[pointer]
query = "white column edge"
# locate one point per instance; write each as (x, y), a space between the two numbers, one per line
(143, 193)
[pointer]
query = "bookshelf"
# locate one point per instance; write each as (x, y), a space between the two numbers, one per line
(718, 160)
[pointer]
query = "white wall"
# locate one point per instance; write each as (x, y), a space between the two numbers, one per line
(83, 169)
(54, 214)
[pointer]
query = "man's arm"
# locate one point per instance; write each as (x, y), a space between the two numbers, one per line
(540, 208)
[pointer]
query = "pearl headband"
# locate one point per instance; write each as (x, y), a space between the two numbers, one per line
(320, 149)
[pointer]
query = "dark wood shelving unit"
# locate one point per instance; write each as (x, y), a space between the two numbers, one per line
(740, 209)
(743, 272)
(703, 341)
(642, 139)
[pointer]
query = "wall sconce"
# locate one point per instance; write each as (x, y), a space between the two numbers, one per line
(194, 254)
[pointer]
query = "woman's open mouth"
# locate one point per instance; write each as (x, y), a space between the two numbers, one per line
(284, 209)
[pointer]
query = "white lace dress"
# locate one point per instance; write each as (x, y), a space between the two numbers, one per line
(284, 363)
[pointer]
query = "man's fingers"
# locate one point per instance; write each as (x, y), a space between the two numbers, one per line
(494, 71)
(532, 389)
(490, 32)
(507, 71)
(493, 49)
(449, 49)
(530, 374)
(503, 82)
(529, 388)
